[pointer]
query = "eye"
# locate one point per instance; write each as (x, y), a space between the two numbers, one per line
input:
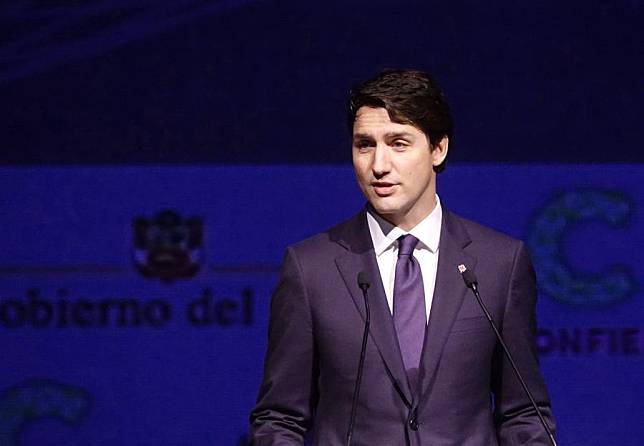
(399, 144)
(363, 144)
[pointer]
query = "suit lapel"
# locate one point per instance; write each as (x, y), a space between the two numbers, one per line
(360, 256)
(449, 292)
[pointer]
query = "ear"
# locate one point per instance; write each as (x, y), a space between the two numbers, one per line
(439, 151)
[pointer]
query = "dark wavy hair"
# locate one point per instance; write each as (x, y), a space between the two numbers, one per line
(410, 97)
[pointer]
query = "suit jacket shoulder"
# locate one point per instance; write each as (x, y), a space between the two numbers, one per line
(482, 238)
(352, 234)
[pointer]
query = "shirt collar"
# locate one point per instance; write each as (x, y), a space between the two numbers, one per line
(384, 234)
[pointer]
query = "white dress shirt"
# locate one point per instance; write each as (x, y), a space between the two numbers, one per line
(385, 235)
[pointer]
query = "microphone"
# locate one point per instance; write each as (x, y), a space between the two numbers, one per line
(470, 281)
(363, 283)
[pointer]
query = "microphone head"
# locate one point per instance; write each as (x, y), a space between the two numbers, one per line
(363, 280)
(469, 278)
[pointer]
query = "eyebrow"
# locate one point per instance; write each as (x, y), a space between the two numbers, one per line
(362, 136)
(387, 135)
(399, 135)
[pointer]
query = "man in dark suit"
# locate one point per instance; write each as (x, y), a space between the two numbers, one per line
(434, 373)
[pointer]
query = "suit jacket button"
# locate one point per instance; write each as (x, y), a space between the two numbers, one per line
(413, 424)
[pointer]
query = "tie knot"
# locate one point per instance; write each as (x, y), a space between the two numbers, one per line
(406, 245)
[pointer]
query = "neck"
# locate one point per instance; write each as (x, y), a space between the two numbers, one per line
(407, 221)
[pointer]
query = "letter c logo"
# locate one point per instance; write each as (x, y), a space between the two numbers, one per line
(557, 277)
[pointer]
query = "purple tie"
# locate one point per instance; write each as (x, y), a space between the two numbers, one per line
(409, 307)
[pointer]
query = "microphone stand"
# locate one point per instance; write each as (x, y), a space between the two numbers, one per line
(363, 283)
(472, 283)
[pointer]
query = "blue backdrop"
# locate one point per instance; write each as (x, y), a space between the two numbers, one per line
(96, 353)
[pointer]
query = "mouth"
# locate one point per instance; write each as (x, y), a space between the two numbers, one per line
(383, 188)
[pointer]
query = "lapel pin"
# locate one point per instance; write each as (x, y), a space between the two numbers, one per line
(461, 268)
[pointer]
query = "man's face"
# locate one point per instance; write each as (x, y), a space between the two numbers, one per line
(394, 166)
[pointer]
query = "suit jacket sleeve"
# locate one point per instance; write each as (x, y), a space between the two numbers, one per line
(284, 405)
(517, 423)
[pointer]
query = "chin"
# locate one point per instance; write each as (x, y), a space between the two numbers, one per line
(384, 208)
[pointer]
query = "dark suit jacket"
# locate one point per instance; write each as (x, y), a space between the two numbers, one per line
(315, 335)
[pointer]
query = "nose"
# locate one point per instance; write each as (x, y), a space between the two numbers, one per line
(381, 161)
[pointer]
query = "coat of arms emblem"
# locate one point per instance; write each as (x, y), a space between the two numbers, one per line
(168, 246)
